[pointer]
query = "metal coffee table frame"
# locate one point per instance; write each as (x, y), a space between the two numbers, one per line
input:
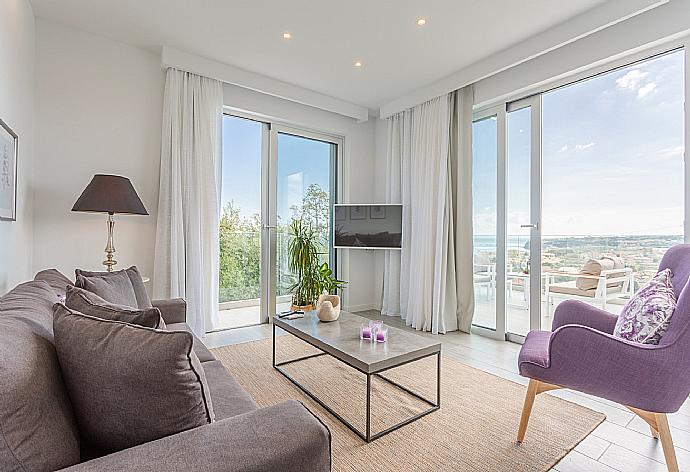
(367, 435)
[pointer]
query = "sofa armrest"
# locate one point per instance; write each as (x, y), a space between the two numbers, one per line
(574, 312)
(284, 437)
(173, 310)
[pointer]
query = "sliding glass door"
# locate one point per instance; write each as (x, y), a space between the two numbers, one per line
(272, 175)
(305, 191)
(522, 215)
(485, 154)
(586, 186)
(241, 244)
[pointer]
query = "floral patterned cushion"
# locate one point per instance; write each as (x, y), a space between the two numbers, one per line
(645, 318)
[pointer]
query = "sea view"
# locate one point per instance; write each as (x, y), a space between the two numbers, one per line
(641, 253)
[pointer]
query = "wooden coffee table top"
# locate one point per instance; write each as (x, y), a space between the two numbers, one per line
(340, 339)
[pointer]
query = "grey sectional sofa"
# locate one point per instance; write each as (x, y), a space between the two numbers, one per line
(38, 430)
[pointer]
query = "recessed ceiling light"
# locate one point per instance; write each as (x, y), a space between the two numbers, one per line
(421, 21)
(358, 64)
(287, 35)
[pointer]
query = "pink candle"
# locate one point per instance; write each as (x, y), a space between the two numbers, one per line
(381, 336)
(366, 332)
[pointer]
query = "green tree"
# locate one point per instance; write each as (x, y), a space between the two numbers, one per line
(315, 209)
(240, 245)
(240, 255)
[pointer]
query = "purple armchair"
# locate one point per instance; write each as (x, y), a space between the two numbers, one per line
(582, 354)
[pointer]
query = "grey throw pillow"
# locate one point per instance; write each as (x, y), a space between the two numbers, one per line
(140, 295)
(129, 384)
(89, 303)
(115, 288)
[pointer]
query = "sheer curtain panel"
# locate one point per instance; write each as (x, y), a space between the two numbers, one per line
(186, 256)
(429, 166)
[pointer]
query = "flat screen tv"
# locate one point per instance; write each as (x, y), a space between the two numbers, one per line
(367, 226)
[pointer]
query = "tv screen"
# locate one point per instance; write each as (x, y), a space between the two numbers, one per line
(368, 226)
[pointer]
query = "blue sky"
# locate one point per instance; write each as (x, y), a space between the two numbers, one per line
(612, 156)
(301, 162)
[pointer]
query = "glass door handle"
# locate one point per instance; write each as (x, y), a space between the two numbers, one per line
(532, 225)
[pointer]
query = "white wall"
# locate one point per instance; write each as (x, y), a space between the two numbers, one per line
(359, 183)
(17, 54)
(98, 110)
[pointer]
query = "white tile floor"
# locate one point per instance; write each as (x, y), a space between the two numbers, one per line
(622, 443)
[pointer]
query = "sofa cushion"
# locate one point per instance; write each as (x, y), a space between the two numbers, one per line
(56, 279)
(229, 399)
(36, 418)
(129, 384)
(89, 303)
(140, 294)
(570, 288)
(200, 349)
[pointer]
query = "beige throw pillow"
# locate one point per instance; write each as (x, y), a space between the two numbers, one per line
(595, 267)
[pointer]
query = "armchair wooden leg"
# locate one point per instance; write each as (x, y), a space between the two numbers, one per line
(666, 442)
(658, 424)
(655, 433)
(527, 409)
(534, 388)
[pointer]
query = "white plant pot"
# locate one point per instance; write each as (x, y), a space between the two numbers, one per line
(328, 307)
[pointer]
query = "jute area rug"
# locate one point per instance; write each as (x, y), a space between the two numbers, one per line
(474, 430)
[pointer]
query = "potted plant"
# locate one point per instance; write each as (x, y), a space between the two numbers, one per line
(328, 304)
(313, 279)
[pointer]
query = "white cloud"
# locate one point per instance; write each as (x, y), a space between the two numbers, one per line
(634, 81)
(646, 89)
(631, 80)
(582, 147)
(672, 152)
(563, 149)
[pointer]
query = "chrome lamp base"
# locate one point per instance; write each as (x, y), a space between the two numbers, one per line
(109, 261)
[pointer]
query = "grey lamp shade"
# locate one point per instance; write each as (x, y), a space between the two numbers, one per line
(110, 194)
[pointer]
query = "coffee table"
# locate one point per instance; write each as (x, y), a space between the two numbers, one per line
(340, 339)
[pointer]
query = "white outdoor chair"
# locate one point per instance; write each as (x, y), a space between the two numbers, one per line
(485, 276)
(611, 285)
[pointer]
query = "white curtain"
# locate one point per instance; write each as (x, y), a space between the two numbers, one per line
(186, 255)
(461, 174)
(429, 171)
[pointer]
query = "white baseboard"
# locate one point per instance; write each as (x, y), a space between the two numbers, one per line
(362, 307)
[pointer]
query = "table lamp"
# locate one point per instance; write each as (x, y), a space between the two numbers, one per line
(110, 194)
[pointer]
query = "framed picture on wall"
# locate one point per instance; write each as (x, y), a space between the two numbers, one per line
(378, 212)
(8, 173)
(358, 212)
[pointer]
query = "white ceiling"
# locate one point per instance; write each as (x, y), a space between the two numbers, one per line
(327, 36)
